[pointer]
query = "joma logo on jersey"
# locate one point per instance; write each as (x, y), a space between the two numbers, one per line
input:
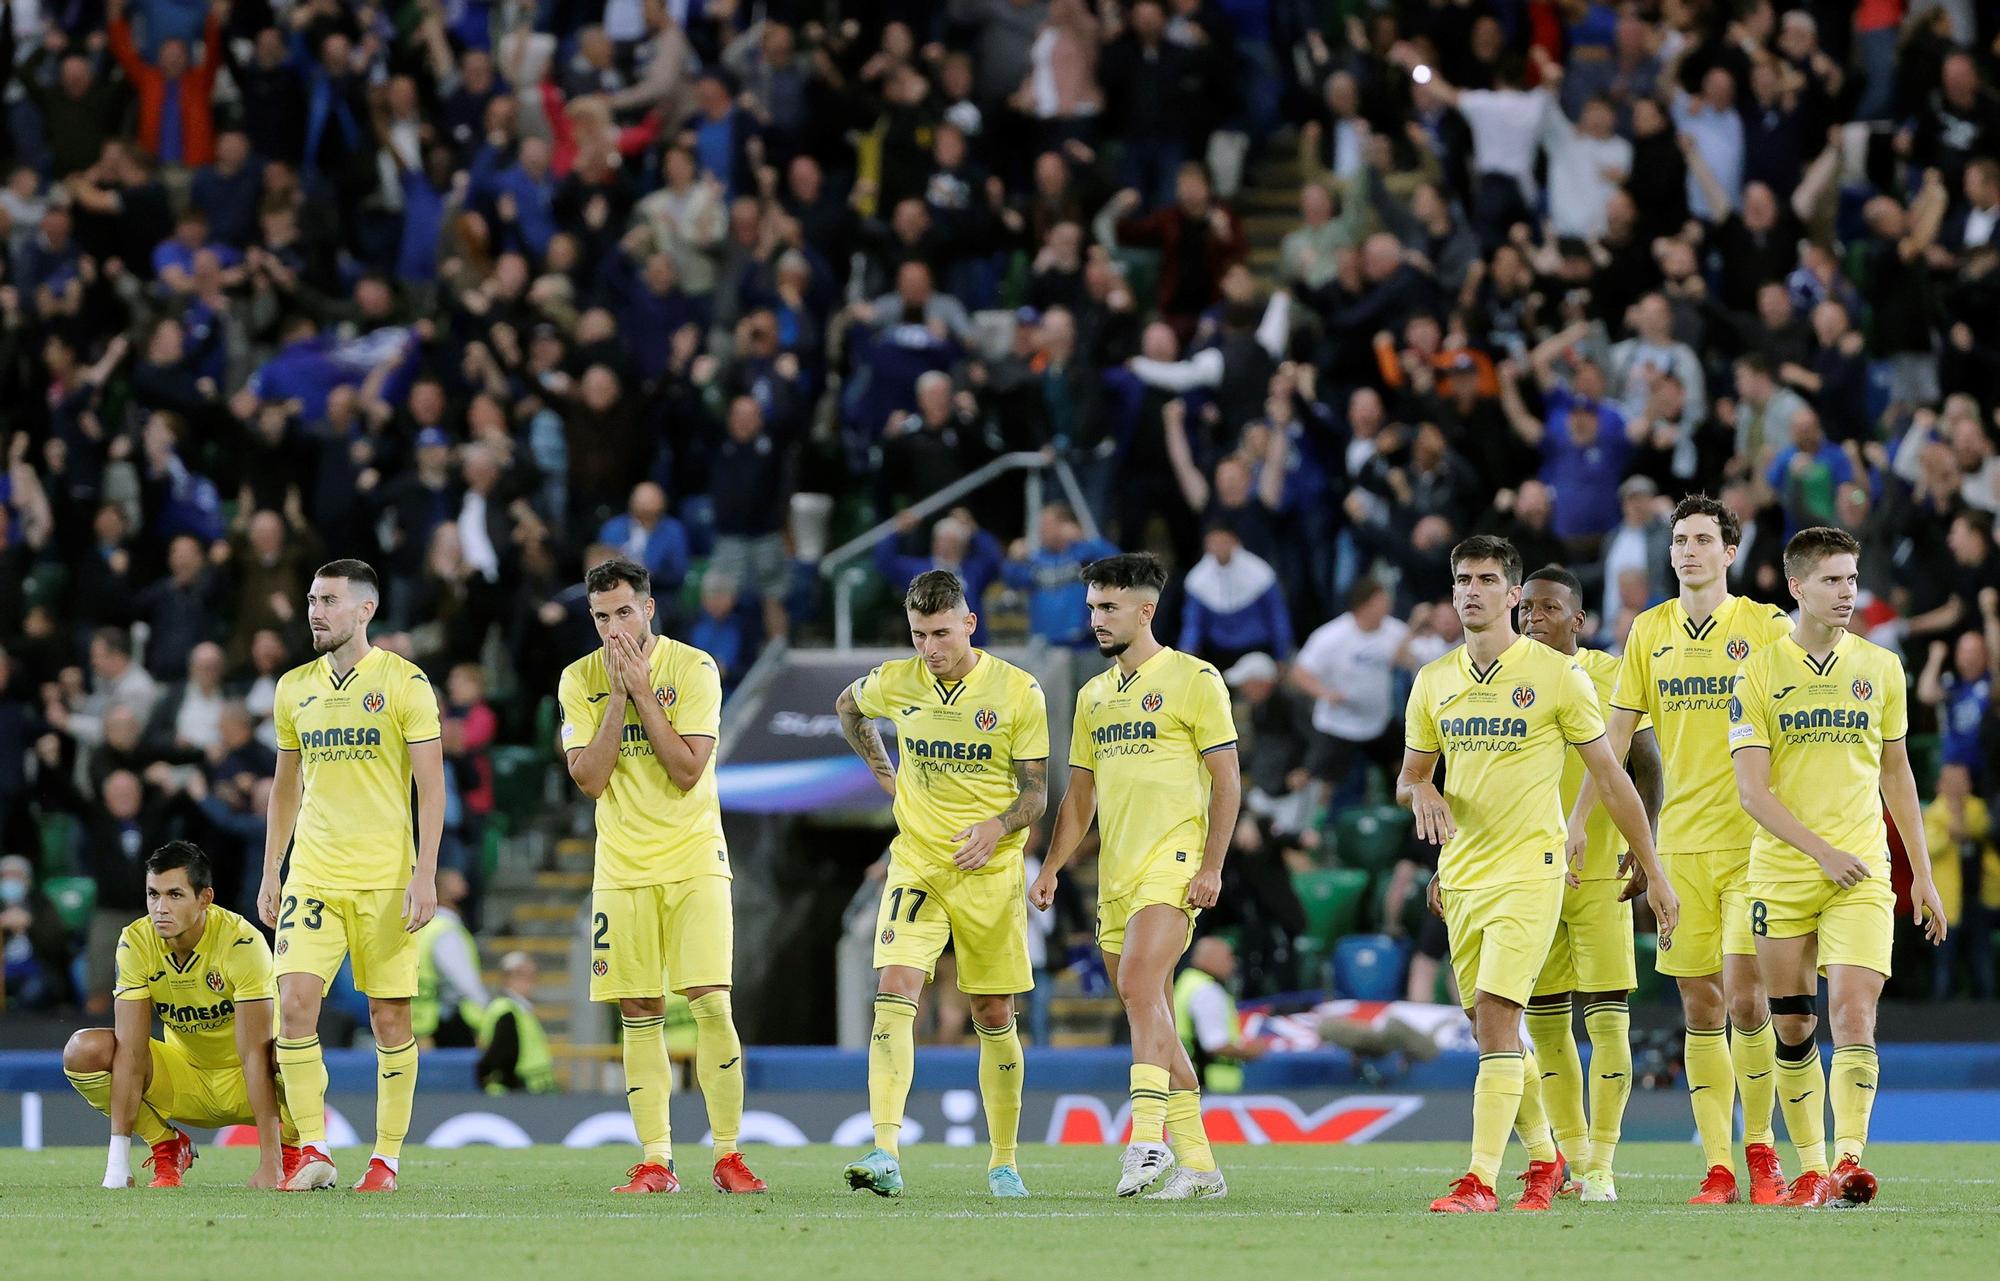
(215, 981)
(1863, 690)
(171, 1013)
(1824, 718)
(985, 719)
(1120, 731)
(1686, 686)
(1524, 696)
(374, 701)
(945, 750)
(1152, 702)
(1738, 649)
(1484, 726)
(341, 736)
(666, 695)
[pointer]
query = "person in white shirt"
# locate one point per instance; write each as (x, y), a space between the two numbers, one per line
(1348, 668)
(1506, 124)
(1587, 162)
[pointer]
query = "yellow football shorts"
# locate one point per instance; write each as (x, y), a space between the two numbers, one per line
(1592, 951)
(1856, 925)
(1500, 936)
(983, 915)
(1714, 890)
(651, 939)
(1113, 915)
(210, 1098)
(317, 927)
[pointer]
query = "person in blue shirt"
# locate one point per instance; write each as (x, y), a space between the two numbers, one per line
(957, 544)
(647, 534)
(724, 630)
(1807, 474)
(521, 196)
(1584, 445)
(228, 190)
(1234, 604)
(1056, 609)
(174, 258)
(1961, 696)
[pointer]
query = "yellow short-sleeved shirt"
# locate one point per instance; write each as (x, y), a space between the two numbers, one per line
(956, 749)
(353, 735)
(1824, 724)
(1680, 675)
(197, 1000)
(650, 832)
(1600, 856)
(1503, 732)
(1144, 736)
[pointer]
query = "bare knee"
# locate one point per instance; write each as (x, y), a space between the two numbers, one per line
(1794, 1029)
(389, 1018)
(1702, 1002)
(992, 1012)
(1853, 1022)
(90, 1050)
(1496, 1021)
(696, 993)
(1748, 1009)
(642, 1007)
(298, 1009)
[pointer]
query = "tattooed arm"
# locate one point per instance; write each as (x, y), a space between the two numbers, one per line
(865, 739)
(977, 843)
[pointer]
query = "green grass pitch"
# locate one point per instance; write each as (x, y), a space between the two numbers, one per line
(1317, 1212)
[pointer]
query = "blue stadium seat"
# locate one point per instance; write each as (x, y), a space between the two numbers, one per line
(1369, 967)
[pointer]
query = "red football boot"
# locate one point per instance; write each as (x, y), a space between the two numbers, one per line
(378, 1177)
(1467, 1196)
(1719, 1188)
(650, 1176)
(170, 1160)
(731, 1175)
(1854, 1184)
(1545, 1179)
(289, 1158)
(1811, 1190)
(1767, 1177)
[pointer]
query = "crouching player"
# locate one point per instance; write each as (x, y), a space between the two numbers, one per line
(207, 973)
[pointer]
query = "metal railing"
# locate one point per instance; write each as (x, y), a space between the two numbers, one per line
(837, 567)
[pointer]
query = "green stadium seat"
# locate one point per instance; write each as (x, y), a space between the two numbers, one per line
(518, 777)
(1372, 838)
(1332, 898)
(1926, 757)
(548, 724)
(1646, 951)
(74, 898)
(58, 837)
(1414, 910)
(690, 593)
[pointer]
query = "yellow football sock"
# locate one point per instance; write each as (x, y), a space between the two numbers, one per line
(1000, 1085)
(1149, 1103)
(1852, 1086)
(95, 1087)
(1531, 1120)
(718, 1065)
(1754, 1055)
(1609, 1024)
(892, 1061)
(1554, 1034)
(1801, 1093)
(1712, 1093)
(395, 1095)
(304, 1074)
(1496, 1101)
(649, 1083)
(1185, 1132)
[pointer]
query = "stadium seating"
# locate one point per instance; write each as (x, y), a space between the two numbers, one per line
(1332, 898)
(1370, 967)
(1372, 838)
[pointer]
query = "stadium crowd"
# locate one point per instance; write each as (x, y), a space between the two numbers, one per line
(480, 291)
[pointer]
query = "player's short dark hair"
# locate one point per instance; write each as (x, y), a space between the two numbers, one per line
(1127, 571)
(354, 571)
(1561, 577)
(188, 857)
(607, 575)
(1489, 547)
(1703, 505)
(1810, 546)
(935, 591)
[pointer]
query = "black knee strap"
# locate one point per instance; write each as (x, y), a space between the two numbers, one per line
(1795, 1053)
(1804, 1004)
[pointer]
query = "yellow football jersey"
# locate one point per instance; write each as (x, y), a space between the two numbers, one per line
(1824, 725)
(196, 1000)
(650, 832)
(353, 737)
(1680, 675)
(1503, 733)
(1600, 856)
(1144, 736)
(956, 748)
